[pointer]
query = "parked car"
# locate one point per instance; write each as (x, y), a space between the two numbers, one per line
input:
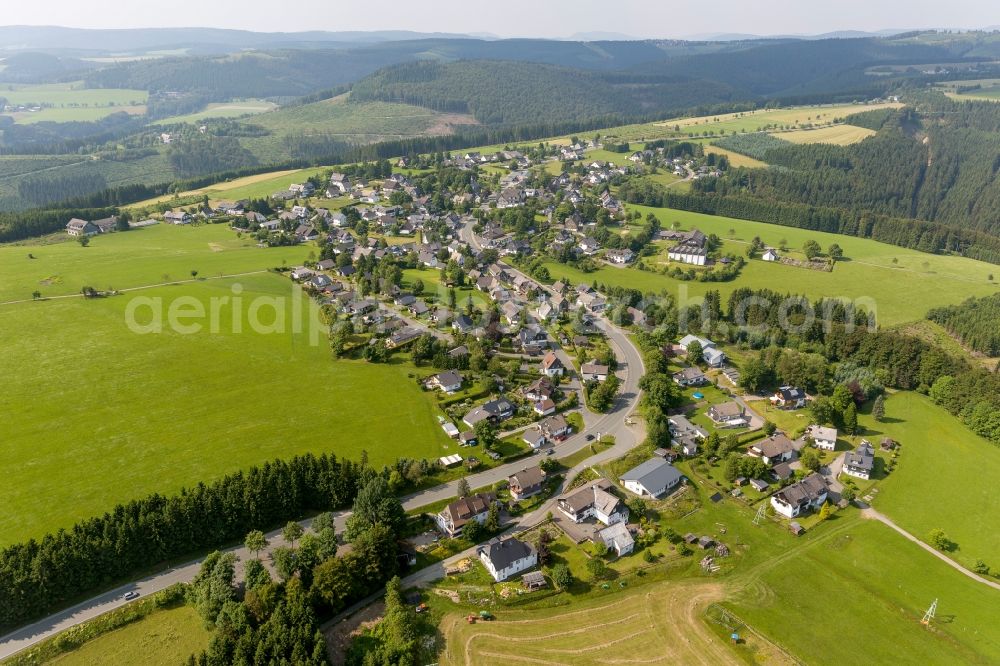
(590, 438)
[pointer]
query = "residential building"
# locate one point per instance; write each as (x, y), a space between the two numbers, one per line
(618, 538)
(449, 381)
(653, 478)
(534, 437)
(692, 376)
(551, 365)
(692, 248)
(789, 397)
(494, 410)
(620, 257)
(823, 438)
(594, 501)
(526, 483)
(775, 449)
(78, 227)
(459, 513)
(593, 372)
(507, 558)
(556, 426)
(686, 434)
(860, 462)
(710, 352)
(809, 493)
(728, 415)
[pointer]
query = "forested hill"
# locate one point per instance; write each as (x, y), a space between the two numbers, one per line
(800, 67)
(937, 162)
(498, 92)
(976, 322)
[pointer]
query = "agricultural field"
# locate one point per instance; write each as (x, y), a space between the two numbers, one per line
(89, 424)
(860, 579)
(66, 102)
(257, 186)
(164, 637)
(735, 159)
(769, 119)
(989, 89)
(235, 109)
(904, 284)
(840, 135)
(913, 495)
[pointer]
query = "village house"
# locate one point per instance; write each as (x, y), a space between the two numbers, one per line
(459, 513)
(775, 449)
(823, 437)
(402, 337)
(620, 257)
(544, 407)
(494, 411)
(809, 493)
(690, 377)
(589, 246)
(710, 352)
(177, 217)
(540, 389)
(770, 255)
(692, 247)
(685, 434)
(594, 501)
(507, 558)
(78, 227)
(789, 397)
(448, 382)
(551, 366)
(593, 372)
(556, 427)
(860, 462)
(653, 478)
(534, 438)
(618, 538)
(526, 483)
(728, 415)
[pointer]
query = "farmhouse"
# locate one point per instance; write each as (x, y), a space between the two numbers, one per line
(824, 438)
(860, 462)
(618, 538)
(526, 483)
(177, 217)
(690, 377)
(593, 372)
(594, 501)
(652, 478)
(692, 248)
(773, 450)
(620, 257)
(770, 255)
(456, 515)
(809, 493)
(728, 415)
(789, 397)
(78, 227)
(449, 381)
(507, 558)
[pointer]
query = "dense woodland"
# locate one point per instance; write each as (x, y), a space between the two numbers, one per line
(976, 322)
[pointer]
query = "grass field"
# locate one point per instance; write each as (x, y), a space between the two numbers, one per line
(234, 109)
(841, 135)
(735, 159)
(946, 478)
(256, 186)
(855, 595)
(96, 414)
(902, 291)
(755, 121)
(65, 102)
(989, 89)
(165, 637)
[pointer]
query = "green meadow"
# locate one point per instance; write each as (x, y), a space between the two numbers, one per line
(97, 413)
(233, 109)
(946, 478)
(66, 102)
(164, 637)
(855, 594)
(904, 284)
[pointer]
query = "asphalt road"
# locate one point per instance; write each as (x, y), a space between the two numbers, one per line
(613, 423)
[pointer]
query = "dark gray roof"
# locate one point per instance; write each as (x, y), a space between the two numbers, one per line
(504, 553)
(654, 473)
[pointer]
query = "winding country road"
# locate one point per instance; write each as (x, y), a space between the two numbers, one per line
(614, 423)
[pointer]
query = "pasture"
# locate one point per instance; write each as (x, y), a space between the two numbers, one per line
(97, 414)
(257, 186)
(840, 135)
(903, 283)
(861, 580)
(768, 119)
(233, 109)
(163, 637)
(922, 494)
(66, 102)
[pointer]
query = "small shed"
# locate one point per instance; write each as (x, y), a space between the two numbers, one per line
(796, 529)
(759, 485)
(706, 542)
(534, 580)
(690, 538)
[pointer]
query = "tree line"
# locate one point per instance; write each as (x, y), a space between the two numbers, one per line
(976, 322)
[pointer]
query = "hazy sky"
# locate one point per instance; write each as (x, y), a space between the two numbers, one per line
(531, 18)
